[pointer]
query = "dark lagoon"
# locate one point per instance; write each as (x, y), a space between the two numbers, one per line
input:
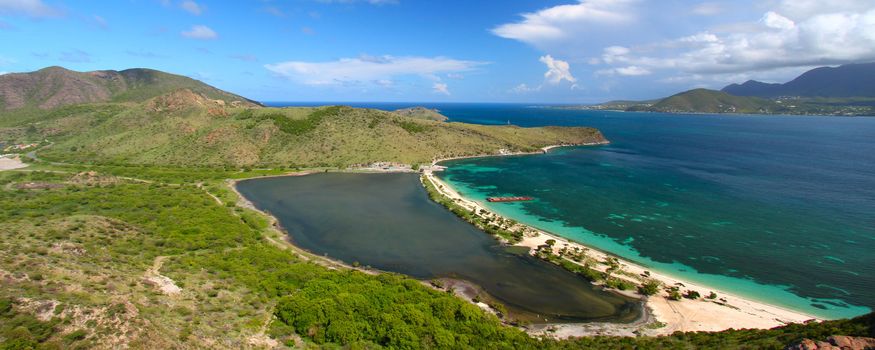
(388, 222)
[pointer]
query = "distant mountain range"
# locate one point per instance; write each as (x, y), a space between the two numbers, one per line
(843, 90)
(54, 87)
(850, 80)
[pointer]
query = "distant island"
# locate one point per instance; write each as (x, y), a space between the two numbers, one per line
(841, 91)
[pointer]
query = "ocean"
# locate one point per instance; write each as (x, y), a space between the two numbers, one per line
(776, 208)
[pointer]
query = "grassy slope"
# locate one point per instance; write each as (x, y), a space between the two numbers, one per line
(209, 135)
(710, 101)
(45, 90)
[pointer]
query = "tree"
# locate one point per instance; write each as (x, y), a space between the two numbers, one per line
(650, 287)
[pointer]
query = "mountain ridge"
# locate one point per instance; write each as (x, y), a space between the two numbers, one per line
(849, 80)
(56, 86)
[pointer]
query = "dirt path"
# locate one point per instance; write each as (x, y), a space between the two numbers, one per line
(201, 186)
(163, 283)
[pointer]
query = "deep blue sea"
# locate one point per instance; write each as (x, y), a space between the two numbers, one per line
(778, 208)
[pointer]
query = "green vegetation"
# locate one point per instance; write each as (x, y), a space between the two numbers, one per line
(711, 101)
(489, 226)
(183, 129)
(53, 87)
(422, 113)
(293, 126)
(650, 287)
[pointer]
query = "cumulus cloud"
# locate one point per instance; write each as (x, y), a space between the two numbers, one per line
(795, 34)
(30, 8)
(557, 70)
(200, 32)
(192, 7)
(440, 88)
(565, 22)
(346, 71)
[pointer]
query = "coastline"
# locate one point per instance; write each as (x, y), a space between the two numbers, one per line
(702, 314)
(542, 150)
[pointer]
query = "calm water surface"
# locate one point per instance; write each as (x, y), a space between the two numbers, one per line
(388, 222)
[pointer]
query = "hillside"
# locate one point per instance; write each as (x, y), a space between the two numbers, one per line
(185, 128)
(850, 80)
(711, 101)
(55, 87)
(422, 113)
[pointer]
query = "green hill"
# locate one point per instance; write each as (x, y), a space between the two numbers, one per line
(711, 101)
(30, 94)
(422, 113)
(184, 128)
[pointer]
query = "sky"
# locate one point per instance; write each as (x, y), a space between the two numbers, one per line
(584, 51)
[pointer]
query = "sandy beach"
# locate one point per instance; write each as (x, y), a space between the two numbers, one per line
(721, 313)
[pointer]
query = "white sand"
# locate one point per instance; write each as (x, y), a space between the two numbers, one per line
(683, 315)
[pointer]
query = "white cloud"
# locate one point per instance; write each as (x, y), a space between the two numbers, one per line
(797, 33)
(200, 32)
(368, 69)
(625, 71)
(523, 89)
(566, 21)
(30, 8)
(557, 70)
(384, 82)
(4, 73)
(440, 88)
(192, 7)
(708, 9)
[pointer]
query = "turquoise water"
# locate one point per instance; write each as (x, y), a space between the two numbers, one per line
(780, 209)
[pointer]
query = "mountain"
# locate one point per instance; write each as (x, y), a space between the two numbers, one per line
(711, 101)
(850, 80)
(184, 129)
(54, 87)
(148, 117)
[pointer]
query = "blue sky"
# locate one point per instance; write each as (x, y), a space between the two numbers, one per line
(467, 51)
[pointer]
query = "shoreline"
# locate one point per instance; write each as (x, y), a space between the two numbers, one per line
(542, 150)
(724, 312)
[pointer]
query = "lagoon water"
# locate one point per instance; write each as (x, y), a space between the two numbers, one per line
(777, 208)
(387, 221)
